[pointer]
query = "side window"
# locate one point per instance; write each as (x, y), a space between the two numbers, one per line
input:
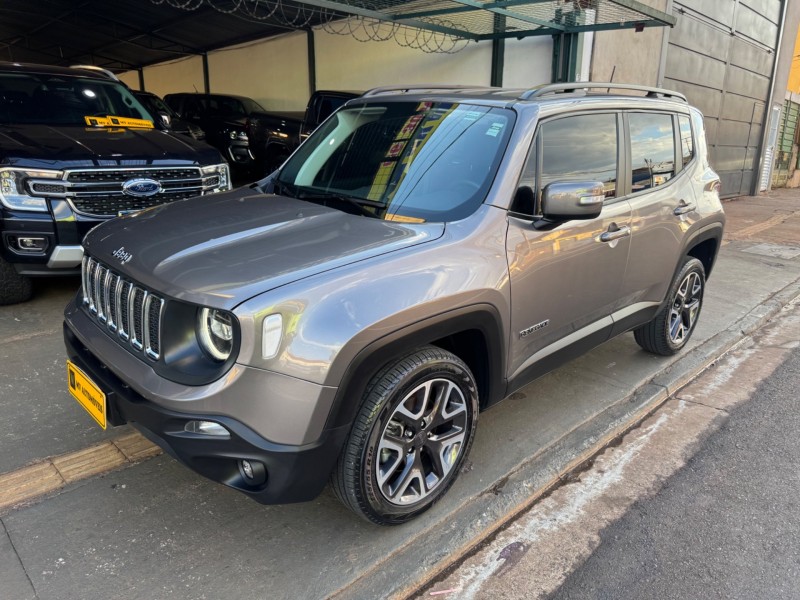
(687, 143)
(580, 148)
(652, 150)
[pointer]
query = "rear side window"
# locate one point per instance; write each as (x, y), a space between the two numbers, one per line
(687, 143)
(652, 150)
(580, 148)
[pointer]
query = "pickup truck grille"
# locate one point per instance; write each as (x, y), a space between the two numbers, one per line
(99, 192)
(129, 311)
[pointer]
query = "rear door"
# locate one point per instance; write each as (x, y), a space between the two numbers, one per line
(566, 281)
(663, 206)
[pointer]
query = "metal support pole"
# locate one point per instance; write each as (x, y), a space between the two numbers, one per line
(206, 83)
(141, 78)
(312, 61)
(498, 52)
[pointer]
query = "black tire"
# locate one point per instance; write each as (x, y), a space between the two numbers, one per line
(14, 288)
(673, 325)
(450, 405)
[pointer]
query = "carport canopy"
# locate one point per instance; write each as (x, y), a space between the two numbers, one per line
(130, 34)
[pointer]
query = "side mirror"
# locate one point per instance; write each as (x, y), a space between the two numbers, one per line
(568, 200)
(165, 120)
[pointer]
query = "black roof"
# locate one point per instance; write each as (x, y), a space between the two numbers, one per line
(119, 34)
(128, 34)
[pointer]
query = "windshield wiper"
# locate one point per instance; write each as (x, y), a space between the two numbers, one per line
(360, 203)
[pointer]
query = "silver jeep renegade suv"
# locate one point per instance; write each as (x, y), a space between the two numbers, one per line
(425, 252)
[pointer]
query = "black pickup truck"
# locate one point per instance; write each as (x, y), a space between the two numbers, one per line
(273, 136)
(76, 149)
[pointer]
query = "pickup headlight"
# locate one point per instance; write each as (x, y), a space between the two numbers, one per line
(14, 192)
(216, 178)
(238, 135)
(215, 332)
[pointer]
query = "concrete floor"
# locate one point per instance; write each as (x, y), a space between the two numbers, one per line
(156, 530)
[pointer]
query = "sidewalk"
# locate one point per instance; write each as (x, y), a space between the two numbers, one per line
(158, 529)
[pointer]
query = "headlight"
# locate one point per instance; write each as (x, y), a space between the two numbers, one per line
(238, 135)
(216, 178)
(215, 332)
(14, 192)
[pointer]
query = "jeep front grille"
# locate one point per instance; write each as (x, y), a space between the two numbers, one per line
(126, 309)
(98, 192)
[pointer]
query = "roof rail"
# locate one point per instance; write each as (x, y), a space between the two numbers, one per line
(420, 87)
(100, 70)
(555, 88)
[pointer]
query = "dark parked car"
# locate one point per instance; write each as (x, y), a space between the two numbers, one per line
(274, 136)
(224, 118)
(158, 108)
(77, 148)
(421, 256)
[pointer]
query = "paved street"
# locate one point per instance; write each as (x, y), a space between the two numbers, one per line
(726, 525)
(698, 501)
(156, 530)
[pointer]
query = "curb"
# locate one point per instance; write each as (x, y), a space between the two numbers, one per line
(36, 480)
(457, 533)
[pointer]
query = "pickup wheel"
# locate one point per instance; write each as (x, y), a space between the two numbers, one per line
(410, 437)
(14, 288)
(671, 328)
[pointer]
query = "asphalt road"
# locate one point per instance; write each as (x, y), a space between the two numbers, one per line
(724, 526)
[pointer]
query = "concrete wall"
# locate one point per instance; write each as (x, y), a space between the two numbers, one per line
(631, 57)
(345, 63)
(130, 78)
(528, 62)
(182, 75)
(275, 71)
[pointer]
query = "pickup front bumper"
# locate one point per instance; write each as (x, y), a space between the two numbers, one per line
(44, 243)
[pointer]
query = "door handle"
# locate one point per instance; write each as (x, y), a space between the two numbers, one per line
(683, 208)
(615, 234)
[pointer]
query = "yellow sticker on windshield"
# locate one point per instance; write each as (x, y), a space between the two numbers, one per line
(112, 121)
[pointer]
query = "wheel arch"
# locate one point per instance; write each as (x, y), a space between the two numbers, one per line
(704, 245)
(472, 333)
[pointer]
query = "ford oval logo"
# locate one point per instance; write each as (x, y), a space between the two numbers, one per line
(141, 187)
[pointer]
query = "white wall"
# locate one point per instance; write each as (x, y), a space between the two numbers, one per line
(275, 71)
(344, 63)
(528, 61)
(182, 75)
(130, 78)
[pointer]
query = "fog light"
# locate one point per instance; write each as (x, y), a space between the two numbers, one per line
(207, 428)
(254, 472)
(31, 244)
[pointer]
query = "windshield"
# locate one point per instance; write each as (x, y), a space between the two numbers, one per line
(229, 107)
(58, 100)
(402, 161)
(154, 104)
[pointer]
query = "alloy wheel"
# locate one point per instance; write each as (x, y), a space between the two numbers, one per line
(421, 441)
(685, 308)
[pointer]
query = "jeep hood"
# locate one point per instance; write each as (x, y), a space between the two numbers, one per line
(222, 249)
(45, 146)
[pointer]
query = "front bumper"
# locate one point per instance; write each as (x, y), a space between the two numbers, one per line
(293, 473)
(60, 227)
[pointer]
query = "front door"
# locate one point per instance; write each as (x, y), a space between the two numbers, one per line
(566, 282)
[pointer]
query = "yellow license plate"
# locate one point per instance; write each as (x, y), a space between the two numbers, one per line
(86, 392)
